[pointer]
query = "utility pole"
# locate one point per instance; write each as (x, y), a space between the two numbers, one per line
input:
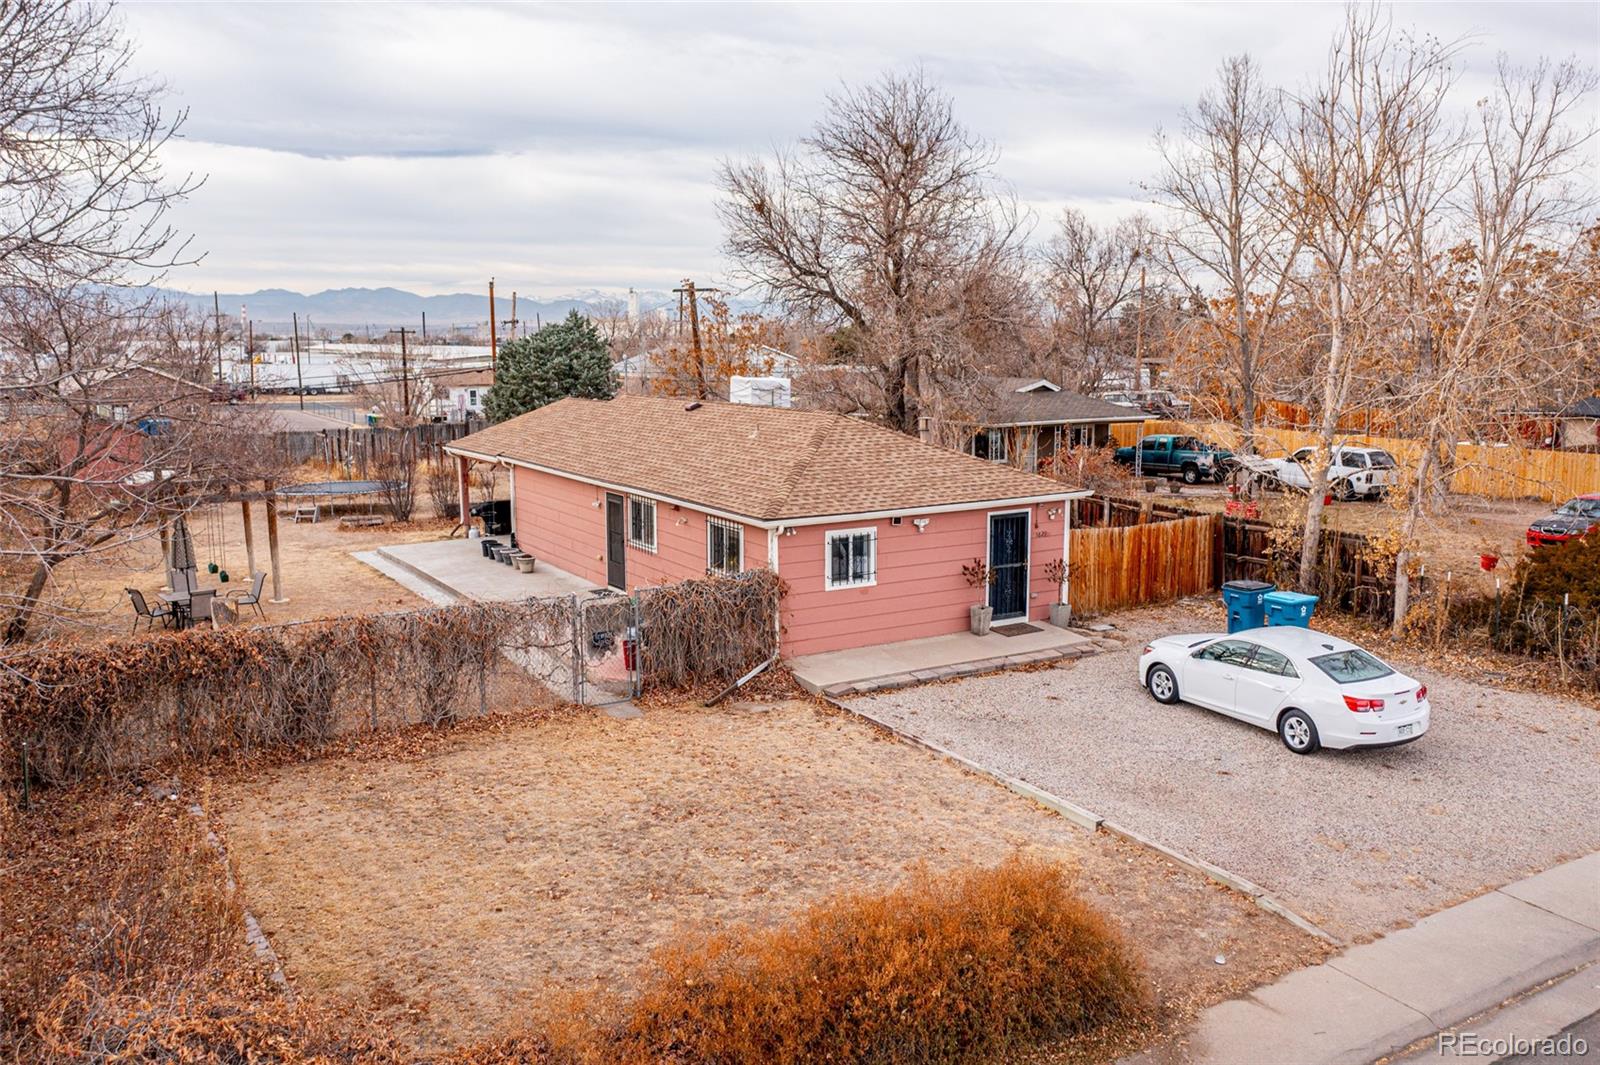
(250, 356)
(512, 321)
(494, 349)
(424, 327)
(405, 377)
(216, 310)
(686, 294)
(299, 377)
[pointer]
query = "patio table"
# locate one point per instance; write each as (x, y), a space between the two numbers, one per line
(183, 605)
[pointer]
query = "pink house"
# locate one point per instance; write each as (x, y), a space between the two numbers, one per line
(868, 528)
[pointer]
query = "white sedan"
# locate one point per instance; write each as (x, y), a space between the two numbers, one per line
(1312, 689)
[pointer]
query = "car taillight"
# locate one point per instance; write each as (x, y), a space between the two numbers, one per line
(1362, 706)
(1148, 648)
(1422, 693)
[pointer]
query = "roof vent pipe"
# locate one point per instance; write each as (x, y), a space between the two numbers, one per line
(693, 406)
(925, 429)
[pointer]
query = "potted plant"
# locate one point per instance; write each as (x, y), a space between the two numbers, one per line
(981, 614)
(1055, 571)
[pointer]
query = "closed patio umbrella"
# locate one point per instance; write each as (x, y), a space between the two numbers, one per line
(180, 552)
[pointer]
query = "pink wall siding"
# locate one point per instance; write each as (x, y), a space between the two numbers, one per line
(557, 520)
(919, 590)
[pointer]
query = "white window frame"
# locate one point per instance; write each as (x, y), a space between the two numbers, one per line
(828, 583)
(995, 441)
(726, 526)
(642, 501)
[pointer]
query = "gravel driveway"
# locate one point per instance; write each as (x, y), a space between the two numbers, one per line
(1504, 783)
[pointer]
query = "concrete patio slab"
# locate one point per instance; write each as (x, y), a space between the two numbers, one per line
(895, 665)
(459, 568)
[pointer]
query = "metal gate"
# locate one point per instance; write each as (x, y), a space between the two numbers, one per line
(605, 647)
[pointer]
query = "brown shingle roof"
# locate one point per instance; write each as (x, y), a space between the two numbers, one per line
(764, 463)
(1008, 406)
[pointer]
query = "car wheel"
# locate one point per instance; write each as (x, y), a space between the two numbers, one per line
(1299, 732)
(1191, 475)
(1346, 493)
(1162, 684)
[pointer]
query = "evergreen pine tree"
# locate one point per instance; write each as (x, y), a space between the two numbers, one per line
(566, 358)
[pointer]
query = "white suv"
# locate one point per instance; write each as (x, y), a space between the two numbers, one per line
(1355, 473)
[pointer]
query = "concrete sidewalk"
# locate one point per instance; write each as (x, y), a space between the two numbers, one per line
(1383, 996)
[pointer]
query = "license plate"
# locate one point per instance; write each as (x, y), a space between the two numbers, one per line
(1405, 730)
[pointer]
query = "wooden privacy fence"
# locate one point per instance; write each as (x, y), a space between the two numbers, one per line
(1500, 471)
(358, 447)
(1123, 566)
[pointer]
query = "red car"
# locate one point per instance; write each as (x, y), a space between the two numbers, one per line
(1576, 517)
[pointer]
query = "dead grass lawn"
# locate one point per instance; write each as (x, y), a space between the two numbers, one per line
(448, 892)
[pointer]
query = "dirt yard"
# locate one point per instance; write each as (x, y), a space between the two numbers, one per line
(320, 579)
(447, 892)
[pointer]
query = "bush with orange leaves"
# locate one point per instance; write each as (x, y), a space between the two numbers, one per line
(962, 967)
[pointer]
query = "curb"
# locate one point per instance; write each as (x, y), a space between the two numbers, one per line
(1085, 818)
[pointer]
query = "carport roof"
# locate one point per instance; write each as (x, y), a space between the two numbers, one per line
(767, 464)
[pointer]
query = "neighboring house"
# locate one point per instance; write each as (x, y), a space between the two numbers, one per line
(1025, 421)
(142, 391)
(459, 394)
(868, 528)
(1579, 425)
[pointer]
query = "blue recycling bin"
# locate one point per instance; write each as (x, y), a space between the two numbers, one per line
(1243, 600)
(1290, 608)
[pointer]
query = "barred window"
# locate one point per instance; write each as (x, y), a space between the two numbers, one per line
(852, 558)
(724, 547)
(642, 523)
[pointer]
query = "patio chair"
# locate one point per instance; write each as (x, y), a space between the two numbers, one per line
(239, 598)
(142, 611)
(201, 606)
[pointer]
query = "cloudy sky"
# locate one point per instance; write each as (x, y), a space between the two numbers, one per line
(569, 148)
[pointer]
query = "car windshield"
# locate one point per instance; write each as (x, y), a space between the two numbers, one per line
(1580, 508)
(1351, 667)
(1381, 460)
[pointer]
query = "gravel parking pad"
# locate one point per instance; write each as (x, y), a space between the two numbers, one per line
(1360, 842)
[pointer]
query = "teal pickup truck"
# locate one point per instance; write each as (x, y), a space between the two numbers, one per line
(1170, 455)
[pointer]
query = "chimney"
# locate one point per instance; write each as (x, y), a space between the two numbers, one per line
(925, 429)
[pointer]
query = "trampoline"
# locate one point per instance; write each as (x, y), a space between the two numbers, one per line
(333, 489)
(313, 496)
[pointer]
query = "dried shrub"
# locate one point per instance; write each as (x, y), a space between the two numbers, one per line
(968, 966)
(192, 696)
(1090, 467)
(710, 629)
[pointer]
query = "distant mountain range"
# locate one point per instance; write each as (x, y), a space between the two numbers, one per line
(381, 309)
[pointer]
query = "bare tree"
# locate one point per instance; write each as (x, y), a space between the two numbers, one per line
(83, 196)
(1092, 272)
(107, 422)
(886, 219)
(107, 435)
(1379, 101)
(1218, 181)
(1517, 192)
